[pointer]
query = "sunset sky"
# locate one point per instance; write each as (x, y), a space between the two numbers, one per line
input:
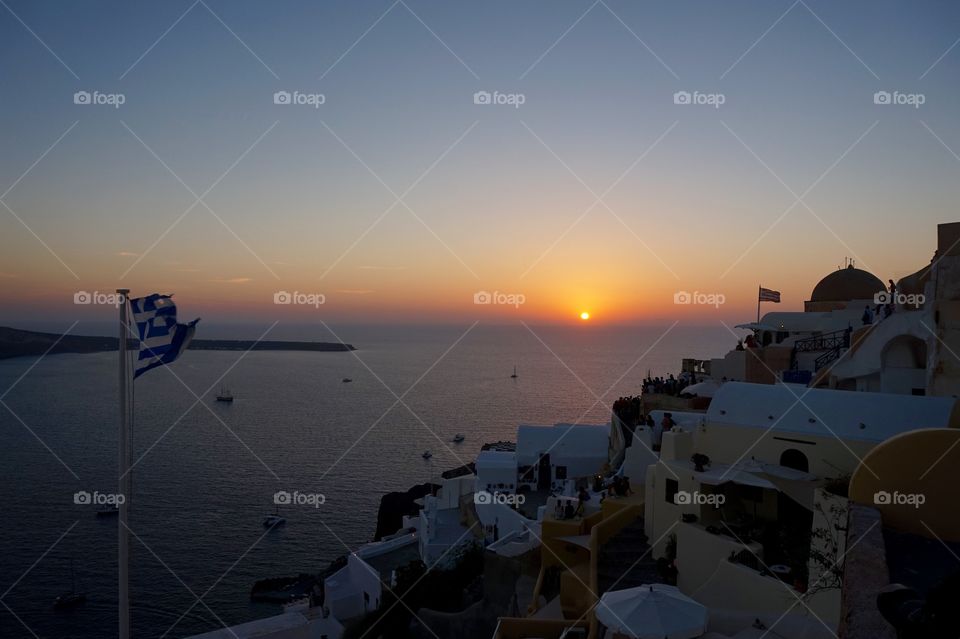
(492, 197)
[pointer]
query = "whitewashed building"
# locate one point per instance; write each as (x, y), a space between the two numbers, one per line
(549, 456)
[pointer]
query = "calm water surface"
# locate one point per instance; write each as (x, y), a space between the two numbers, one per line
(201, 486)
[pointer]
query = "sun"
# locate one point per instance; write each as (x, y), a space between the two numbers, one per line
(584, 315)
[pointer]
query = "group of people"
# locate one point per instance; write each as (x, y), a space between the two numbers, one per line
(657, 429)
(669, 385)
(618, 486)
(628, 409)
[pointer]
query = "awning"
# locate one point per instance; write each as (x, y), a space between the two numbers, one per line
(795, 484)
(721, 474)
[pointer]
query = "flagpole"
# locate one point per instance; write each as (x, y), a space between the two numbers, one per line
(123, 466)
(759, 288)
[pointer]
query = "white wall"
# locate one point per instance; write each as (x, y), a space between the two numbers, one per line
(345, 589)
(489, 477)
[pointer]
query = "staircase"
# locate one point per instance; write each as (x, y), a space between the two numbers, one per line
(625, 560)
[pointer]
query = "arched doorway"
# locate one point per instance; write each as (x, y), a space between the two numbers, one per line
(795, 459)
(793, 518)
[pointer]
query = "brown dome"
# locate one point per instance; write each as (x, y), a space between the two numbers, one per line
(847, 284)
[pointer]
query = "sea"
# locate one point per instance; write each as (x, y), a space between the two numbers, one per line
(206, 472)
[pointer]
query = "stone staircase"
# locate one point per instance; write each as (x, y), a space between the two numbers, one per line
(625, 560)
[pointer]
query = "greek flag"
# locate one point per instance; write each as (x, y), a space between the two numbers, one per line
(161, 338)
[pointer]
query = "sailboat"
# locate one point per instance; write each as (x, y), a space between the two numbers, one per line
(72, 598)
(274, 519)
(224, 395)
(108, 511)
(514, 376)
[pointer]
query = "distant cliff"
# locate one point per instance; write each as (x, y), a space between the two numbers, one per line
(17, 343)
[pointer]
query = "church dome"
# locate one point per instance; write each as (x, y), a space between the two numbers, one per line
(844, 285)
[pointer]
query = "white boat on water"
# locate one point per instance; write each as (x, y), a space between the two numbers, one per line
(274, 519)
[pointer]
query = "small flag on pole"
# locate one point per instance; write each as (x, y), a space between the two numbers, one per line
(767, 295)
(162, 339)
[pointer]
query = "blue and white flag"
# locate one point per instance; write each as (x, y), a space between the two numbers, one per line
(161, 338)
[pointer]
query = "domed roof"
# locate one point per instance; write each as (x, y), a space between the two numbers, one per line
(847, 284)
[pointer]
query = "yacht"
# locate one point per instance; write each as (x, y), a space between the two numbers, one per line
(459, 438)
(427, 454)
(224, 395)
(274, 519)
(71, 598)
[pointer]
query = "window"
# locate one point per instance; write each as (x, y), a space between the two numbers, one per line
(561, 472)
(672, 488)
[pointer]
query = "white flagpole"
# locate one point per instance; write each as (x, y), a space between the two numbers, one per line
(123, 440)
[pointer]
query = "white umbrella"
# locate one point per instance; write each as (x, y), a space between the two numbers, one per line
(703, 389)
(654, 611)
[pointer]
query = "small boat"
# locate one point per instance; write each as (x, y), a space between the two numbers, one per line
(224, 395)
(274, 519)
(108, 511)
(459, 438)
(69, 600)
(346, 380)
(72, 598)
(427, 454)
(514, 376)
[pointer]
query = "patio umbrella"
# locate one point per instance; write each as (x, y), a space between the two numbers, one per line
(703, 389)
(654, 611)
